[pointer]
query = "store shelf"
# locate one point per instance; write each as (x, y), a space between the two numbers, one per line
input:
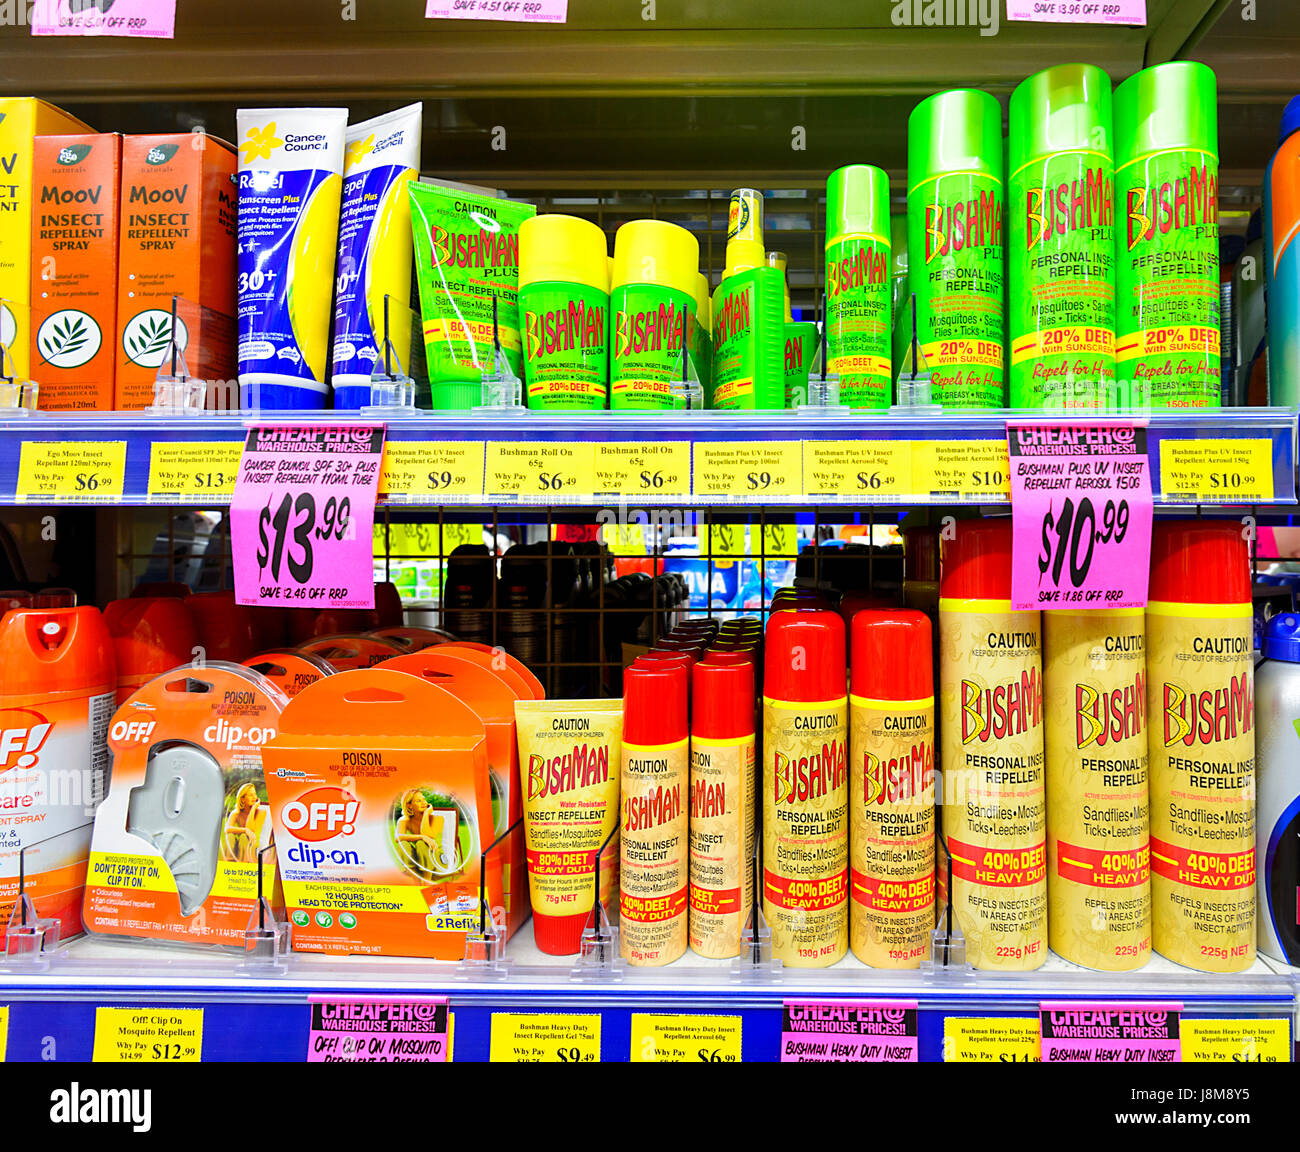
(698, 459)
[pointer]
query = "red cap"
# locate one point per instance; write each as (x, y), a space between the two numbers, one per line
(977, 561)
(151, 635)
(654, 704)
(151, 588)
(56, 598)
(804, 656)
(892, 655)
(692, 648)
(560, 935)
(855, 602)
(920, 552)
(729, 656)
(658, 656)
(225, 629)
(1199, 562)
(54, 651)
(388, 603)
(722, 699)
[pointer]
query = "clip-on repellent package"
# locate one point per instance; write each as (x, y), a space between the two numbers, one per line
(382, 808)
(175, 851)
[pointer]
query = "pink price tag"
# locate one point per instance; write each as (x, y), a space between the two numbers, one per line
(1110, 1032)
(374, 1031)
(303, 513)
(1079, 11)
(149, 18)
(1081, 515)
(848, 1031)
(520, 11)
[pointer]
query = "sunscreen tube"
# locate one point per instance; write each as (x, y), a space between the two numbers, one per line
(1095, 735)
(569, 752)
(991, 699)
(891, 788)
(290, 182)
(722, 805)
(1201, 685)
(653, 863)
(382, 156)
(805, 788)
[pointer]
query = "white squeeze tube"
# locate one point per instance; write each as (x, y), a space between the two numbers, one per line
(382, 155)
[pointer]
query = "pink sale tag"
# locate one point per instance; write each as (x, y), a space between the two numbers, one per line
(372, 1031)
(303, 514)
(148, 18)
(525, 11)
(1079, 11)
(1081, 515)
(848, 1031)
(1110, 1032)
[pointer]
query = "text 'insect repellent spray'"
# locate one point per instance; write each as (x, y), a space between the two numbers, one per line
(1201, 692)
(1098, 859)
(654, 863)
(991, 695)
(891, 788)
(955, 201)
(1061, 243)
(805, 788)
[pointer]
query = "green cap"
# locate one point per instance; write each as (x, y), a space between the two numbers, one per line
(957, 131)
(857, 200)
(1168, 107)
(1062, 109)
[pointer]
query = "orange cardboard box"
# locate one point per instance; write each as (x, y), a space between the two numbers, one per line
(178, 225)
(75, 181)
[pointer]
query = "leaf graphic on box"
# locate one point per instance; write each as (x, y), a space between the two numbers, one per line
(64, 339)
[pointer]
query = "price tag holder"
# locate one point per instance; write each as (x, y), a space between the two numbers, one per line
(990, 1040)
(303, 514)
(857, 469)
(71, 470)
(378, 1031)
(643, 471)
(148, 1036)
(1237, 1041)
(540, 472)
(200, 470)
(751, 472)
(415, 471)
(683, 1039)
(1216, 471)
(849, 1031)
(1110, 1032)
(1081, 514)
(531, 1038)
(961, 469)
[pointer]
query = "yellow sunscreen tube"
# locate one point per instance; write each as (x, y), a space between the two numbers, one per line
(569, 757)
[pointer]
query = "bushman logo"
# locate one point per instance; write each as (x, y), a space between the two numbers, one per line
(1211, 715)
(577, 323)
(1103, 718)
(1188, 202)
(899, 778)
(584, 766)
(482, 249)
(78, 1105)
(952, 228)
(1084, 203)
(809, 777)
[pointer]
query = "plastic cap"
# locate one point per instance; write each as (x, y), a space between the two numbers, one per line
(857, 200)
(745, 232)
(722, 700)
(656, 252)
(920, 552)
(976, 562)
(663, 656)
(804, 656)
(703, 302)
(44, 651)
(654, 704)
(1282, 638)
(1290, 119)
(955, 131)
(1199, 562)
(559, 935)
(564, 249)
(1061, 109)
(1166, 107)
(893, 658)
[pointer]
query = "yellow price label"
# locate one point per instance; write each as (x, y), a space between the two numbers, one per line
(991, 1040)
(540, 471)
(780, 541)
(432, 468)
(531, 1038)
(870, 469)
(406, 541)
(1216, 471)
(679, 1039)
(624, 539)
(199, 469)
(728, 541)
(748, 471)
(643, 471)
(972, 468)
(84, 469)
(1236, 1041)
(148, 1035)
(4, 1031)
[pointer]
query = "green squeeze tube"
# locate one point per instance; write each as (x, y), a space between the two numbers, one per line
(1167, 279)
(858, 326)
(748, 315)
(956, 261)
(1061, 240)
(564, 306)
